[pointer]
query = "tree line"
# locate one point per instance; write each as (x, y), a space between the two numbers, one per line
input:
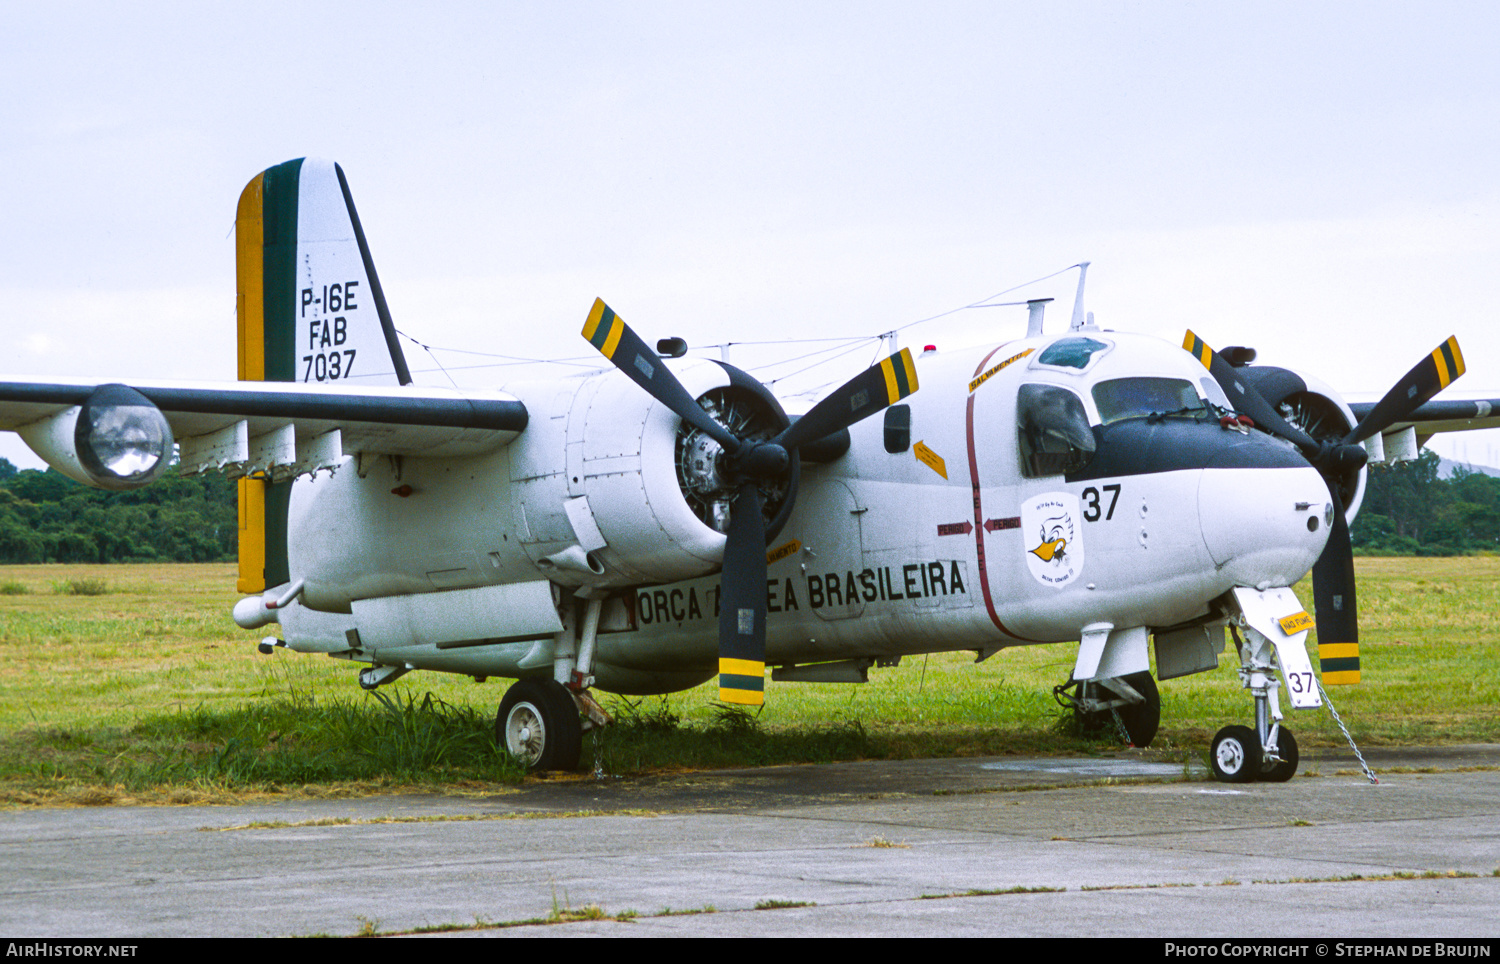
(47, 517)
(1410, 511)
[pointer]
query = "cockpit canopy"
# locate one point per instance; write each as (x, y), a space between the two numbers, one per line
(1055, 433)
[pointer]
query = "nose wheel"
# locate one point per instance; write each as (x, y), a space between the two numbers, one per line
(1238, 756)
(1282, 770)
(1266, 751)
(1235, 755)
(539, 725)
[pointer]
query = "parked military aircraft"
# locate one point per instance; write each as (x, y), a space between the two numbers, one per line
(643, 527)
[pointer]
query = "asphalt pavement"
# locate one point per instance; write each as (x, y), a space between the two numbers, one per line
(1121, 845)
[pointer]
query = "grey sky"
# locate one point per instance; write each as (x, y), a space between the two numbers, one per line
(1316, 180)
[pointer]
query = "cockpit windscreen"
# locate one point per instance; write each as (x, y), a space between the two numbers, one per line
(1123, 398)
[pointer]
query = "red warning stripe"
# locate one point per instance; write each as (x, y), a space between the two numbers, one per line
(984, 575)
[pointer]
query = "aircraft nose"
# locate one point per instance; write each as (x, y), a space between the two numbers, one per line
(1264, 527)
(1263, 511)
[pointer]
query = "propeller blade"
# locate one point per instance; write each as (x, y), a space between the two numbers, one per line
(1333, 574)
(742, 603)
(1430, 376)
(608, 332)
(742, 579)
(876, 388)
(1335, 603)
(1244, 397)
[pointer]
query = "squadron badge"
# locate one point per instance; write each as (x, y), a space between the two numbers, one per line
(1053, 538)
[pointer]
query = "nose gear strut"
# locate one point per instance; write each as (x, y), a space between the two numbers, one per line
(1270, 633)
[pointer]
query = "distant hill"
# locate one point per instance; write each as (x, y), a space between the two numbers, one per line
(1445, 469)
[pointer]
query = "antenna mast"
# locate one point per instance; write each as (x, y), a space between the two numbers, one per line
(1080, 320)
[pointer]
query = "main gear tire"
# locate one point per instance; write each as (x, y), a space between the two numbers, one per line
(1141, 720)
(539, 725)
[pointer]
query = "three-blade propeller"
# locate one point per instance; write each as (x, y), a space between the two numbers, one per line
(748, 464)
(1333, 573)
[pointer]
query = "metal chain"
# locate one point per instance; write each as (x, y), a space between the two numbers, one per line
(599, 773)
(1369, 774)
(1124, 734)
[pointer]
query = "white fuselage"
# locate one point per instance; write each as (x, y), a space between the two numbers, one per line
(944, 544)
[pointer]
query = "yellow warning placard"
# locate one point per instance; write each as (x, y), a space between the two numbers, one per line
(781, 552)
(1296, 623)
(930, 459)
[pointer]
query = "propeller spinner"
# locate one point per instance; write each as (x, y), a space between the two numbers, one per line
(1333, 573)
(747, 463)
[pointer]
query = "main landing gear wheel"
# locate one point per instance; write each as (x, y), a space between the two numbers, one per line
(1141, 720)
(538, 724)
(1236, 755)
(1281, 771)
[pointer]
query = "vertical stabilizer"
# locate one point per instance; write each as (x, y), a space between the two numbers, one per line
(310, 309)
(308, 284)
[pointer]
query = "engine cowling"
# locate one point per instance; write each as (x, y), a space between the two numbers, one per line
(117, 439)
(1313, 406)
(645, 497)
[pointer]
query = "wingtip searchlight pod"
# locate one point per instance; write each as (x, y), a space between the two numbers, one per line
(117, 439)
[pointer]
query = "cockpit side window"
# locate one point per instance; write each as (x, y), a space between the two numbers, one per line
(1054, 431)
(897, 429)
(1123, 398)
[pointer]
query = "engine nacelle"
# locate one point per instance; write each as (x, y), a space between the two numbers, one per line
(642, 498)
(115, 440)
(1313, 406)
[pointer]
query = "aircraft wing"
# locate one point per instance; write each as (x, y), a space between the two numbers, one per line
(1447, 414)
(241, 427)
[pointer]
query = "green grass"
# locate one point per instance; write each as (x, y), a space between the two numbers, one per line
(81, 587)
(276, 744)
(151, 693)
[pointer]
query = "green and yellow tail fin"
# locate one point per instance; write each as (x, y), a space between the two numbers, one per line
(310, 309)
